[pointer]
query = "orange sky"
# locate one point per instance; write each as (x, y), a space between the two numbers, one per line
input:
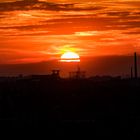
(40, 31)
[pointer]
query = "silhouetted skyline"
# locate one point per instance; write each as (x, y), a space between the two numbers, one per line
(113, 66)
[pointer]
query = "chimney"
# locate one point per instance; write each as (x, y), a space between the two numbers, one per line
(131, 72)
(135, 65)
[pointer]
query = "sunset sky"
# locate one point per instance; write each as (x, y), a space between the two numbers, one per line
(35, 31)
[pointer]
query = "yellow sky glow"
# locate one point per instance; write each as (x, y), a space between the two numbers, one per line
(42, 31)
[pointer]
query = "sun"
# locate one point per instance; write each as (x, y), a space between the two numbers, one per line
(70, 57)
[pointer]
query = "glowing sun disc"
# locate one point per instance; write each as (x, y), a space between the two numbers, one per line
(70, 57)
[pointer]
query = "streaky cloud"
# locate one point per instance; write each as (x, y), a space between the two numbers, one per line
(42, 5)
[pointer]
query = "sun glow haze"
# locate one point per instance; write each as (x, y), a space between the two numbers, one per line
(33, 31)
(70, 57)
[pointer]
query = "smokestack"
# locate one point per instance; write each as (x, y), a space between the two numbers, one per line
(135, 65)
(131, 72)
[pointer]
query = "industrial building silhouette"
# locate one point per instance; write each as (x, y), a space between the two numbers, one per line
(77, 74)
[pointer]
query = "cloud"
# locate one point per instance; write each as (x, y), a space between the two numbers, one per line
(42, 5)
(66, 24)
(42, 29)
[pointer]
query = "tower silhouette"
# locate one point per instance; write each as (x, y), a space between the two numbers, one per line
(135, 65)
(78, 74)
(131, 72)
(56, 73)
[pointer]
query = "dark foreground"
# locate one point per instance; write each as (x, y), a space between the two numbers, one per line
(72, 106)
